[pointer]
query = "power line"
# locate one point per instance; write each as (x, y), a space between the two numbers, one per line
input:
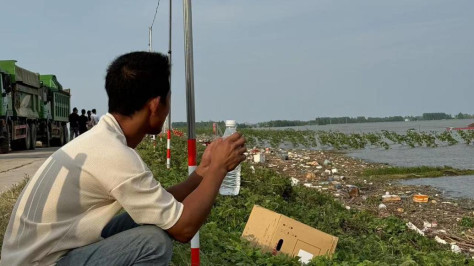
(154, 17)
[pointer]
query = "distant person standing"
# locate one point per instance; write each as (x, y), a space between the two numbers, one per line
(73, 124)
(82, 122)
(95, 116)
(90, 120)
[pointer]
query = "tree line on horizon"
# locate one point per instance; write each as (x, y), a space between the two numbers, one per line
(362, 119)
(331, 120)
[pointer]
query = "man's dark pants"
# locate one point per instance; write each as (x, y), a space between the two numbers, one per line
(124, 243)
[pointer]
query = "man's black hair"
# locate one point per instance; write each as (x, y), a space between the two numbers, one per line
(93, 111)
(135, 78)
(74, 109)
(83, 111)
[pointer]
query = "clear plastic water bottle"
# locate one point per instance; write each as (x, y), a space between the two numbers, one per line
(231, 184)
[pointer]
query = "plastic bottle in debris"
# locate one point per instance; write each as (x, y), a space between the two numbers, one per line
(231, 184)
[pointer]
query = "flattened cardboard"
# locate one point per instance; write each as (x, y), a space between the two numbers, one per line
(278, 233)
(260, 226)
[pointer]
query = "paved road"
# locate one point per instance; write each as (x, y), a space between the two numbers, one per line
(15, 166)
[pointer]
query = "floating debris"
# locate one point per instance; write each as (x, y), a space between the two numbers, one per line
(414, 228)
(294, 181)
(440, 240)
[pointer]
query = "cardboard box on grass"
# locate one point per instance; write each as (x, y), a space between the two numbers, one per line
(278, 233)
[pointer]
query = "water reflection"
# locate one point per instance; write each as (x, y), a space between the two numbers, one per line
(450, 186)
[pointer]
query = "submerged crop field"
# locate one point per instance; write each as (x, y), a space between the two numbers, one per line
(343, 141)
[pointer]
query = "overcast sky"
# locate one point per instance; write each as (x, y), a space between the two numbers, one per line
(262, 60)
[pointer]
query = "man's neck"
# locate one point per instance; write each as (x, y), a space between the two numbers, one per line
(132, 128)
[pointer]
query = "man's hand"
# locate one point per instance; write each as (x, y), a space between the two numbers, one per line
(227, 153)
(205, 160)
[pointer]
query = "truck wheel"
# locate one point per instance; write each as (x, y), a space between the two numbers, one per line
(47, 138)
(5, 142)
(61, 138)
(66, 134)
(33, 131)
(27, 140)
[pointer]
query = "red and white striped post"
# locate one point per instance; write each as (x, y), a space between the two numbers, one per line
(195, 260)
(168, 149)
(188, 52)
(168, 133)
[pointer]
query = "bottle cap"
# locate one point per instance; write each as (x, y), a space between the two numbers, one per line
(230, 123)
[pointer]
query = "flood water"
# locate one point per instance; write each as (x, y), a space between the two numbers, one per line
(451, 186)
(398, 127)
(458, 156)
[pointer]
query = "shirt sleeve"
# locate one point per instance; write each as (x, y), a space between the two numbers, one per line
(147, 201)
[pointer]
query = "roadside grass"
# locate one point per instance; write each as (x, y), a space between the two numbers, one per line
(388, 173)
(7, 202)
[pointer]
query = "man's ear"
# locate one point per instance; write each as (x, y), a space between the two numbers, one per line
(154, 104)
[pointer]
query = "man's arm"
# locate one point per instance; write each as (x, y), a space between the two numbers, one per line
(225, 155)
(183, 189)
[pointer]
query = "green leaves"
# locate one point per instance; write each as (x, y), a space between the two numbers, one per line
(343, 141)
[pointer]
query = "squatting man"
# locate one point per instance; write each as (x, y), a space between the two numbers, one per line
(70, 212)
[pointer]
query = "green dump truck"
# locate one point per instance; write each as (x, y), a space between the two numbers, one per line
(32, 107)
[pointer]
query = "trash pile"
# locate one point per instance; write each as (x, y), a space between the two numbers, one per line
(335, 173)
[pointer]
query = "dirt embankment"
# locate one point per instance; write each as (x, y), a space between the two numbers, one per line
(343, 177)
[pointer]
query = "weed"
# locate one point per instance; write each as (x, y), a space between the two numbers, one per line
(467, 222)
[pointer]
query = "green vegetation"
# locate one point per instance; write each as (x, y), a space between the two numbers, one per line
(467, 136)
(7, 202)
(343, 141)
(411, 172)
(359, 119)
(364, 239)
(467, 222)
(436, 116)
(463, 116)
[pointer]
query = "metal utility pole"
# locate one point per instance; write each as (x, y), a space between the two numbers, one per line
(188, 53)
(150, 31)
(168, 133)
